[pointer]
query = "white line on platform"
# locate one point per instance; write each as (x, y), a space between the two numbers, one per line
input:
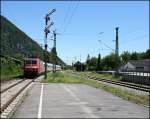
(40, 103)
(71, 93)
(83, 106)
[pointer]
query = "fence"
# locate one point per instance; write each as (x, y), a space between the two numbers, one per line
(134, 76)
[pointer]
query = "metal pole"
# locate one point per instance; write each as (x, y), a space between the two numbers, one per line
(117, 50)
(117, 45)
(55, 50)
(45, 61)
(47, 18)
(81, 63)
(54, 70)
(45, 56)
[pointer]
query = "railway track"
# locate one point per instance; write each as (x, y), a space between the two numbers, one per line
(120, 83)
(10, 93)
(5, 89)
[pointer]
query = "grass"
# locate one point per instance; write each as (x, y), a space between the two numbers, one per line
(139, 99)
(61, 77)
(66, 77)
(9, 77)
(108, 76)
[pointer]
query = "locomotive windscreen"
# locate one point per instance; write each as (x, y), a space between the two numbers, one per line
(34, 62)
(31, 62)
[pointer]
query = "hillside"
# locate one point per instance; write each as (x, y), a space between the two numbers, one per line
(17, 44)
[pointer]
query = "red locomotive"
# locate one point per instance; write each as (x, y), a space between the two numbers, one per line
(33, 66)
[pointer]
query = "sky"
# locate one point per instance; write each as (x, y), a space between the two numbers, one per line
(84, 27)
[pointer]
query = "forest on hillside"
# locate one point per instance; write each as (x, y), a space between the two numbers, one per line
(17, 44)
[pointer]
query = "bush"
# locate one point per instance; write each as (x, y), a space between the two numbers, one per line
(9, 69)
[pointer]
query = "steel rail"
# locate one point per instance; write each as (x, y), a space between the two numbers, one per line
(120, 83)
(2, 91)
(2, 108)
(142, 88)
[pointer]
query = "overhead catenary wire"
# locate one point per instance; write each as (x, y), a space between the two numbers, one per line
(70, 18)
(106, 45)
(66, 15)
(133, 39)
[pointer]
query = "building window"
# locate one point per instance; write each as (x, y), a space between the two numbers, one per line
(140, 68)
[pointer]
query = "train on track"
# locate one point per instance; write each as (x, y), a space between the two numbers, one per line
(35, 66)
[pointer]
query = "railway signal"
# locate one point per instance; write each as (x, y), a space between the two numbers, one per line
(54, 50)
(47, 18)
(53, 10)
(46, 30)
(52, 23)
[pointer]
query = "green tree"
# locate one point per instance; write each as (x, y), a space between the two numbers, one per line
(16, 43)
(125, 56)
(134, 56)
(99, 67)
(54, 51)
(79, 66)
(88, 61)
(92, 64)
(147, 54)
(109, 61)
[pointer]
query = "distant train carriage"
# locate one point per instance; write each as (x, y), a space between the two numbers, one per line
(49, 66)
(58, 68)
(33, 66)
